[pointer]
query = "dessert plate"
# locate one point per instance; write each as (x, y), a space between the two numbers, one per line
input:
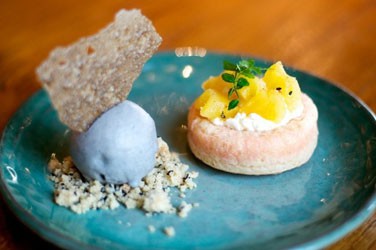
(311, 206)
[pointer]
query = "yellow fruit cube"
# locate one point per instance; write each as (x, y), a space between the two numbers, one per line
(202, 99)
(229, 113)
(292, 95)
(276, 78)
(218, 84)
(269, 104)
(251, 90)
(211, 104)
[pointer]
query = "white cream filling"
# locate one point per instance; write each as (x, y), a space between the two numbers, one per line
(254, 122)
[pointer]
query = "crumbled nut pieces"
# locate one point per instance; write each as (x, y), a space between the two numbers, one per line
(169, 231)
(152, 196)
(184, 209)
(151, 228)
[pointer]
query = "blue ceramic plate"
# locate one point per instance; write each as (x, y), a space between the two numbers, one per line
(311, 206)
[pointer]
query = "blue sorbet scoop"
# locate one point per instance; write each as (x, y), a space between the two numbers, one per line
(119, 147)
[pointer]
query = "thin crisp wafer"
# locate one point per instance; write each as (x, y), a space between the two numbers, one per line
(97, 72)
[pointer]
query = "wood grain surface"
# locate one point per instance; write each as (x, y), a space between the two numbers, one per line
(335, 40)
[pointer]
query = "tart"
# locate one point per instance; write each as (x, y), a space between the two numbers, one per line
(265, 126)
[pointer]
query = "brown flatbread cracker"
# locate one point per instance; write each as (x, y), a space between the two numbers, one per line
(97, 72)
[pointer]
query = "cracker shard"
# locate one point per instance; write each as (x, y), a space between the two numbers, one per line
(92, 75)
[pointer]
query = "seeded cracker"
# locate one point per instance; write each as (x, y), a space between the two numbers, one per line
(92, 75)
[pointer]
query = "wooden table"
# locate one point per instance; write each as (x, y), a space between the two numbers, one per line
(335, 40)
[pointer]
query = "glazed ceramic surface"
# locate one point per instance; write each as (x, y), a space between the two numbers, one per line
(311, 206)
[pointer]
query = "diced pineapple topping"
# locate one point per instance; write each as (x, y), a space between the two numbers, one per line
(267, 103)
(213, 104)
(271, 97)
(276, 78)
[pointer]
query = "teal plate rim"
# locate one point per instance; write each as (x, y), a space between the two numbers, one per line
(62, 240)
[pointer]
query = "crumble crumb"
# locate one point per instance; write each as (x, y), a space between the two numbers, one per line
(169, 231)
(151, 228)
(182, 195)
(152, 195)
(184, 209)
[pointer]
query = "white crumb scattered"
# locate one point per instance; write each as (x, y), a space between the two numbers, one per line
(151, 228)
(184, 209)
(182, 195)
(152, 195)
(158, 201)
(169, 231)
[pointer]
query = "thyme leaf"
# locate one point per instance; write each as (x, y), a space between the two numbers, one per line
(233, 103)
(240, 70)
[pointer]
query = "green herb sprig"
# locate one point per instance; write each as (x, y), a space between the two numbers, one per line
(244, 68)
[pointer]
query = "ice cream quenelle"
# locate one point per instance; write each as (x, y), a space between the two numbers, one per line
(119, 147)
